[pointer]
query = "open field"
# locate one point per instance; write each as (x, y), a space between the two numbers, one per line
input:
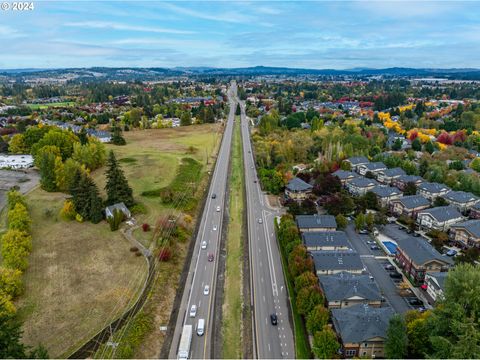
(82, 276)
(232, 306)
(45, 106)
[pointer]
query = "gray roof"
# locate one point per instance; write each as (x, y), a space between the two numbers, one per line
(342, 174)
(337, 260)
(413, 201)
(385, 191)
(433, 187)
(420, 251)
(359, 323)
(358, 160)
(118, 206)
(325, 238)
(297, 184)
(393, 172)
(410, 178)
(472, 226)
(440, 277)
(374, 166)
(460, 196)
(442, 213)
(316, 221)
(363, 182)
(344, 286)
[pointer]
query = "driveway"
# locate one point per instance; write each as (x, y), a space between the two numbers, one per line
(376, 268)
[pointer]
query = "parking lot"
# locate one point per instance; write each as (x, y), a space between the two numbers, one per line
(376, 262)
(24, 180)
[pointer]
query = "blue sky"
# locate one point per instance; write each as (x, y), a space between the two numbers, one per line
(313, 34)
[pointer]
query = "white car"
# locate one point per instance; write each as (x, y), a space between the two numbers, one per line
(218, 208)
(214, 227)
(204, 245)
(193, 311)
(206, 290)
(260, 221)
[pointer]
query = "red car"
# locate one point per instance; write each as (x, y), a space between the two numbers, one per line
(424, 287)
(210, 257)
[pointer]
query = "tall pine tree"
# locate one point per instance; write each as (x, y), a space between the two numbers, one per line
(117, 137)
(117, 187)
(86, 198)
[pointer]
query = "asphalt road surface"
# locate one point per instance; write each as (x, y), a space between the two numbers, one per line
(269, 293)
(202, 271)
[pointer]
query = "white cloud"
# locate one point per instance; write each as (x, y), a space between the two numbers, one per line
(230, 16)
(120, 26)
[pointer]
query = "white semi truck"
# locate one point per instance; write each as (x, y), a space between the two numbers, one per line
(185, 342)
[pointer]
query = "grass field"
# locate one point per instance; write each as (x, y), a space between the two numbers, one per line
(233, 299)
(48, 105)
(82, 276)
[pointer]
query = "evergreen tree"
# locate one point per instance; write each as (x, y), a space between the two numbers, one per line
(117, 187)
(96, 204)
(117, 137)
(82, 136)
(46, 164)
(396, 343)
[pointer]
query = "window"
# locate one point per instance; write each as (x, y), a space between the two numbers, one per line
(350, 353)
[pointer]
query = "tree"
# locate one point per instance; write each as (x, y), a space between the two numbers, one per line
(16, 246)
(429, 147)
(299, 261)
(92, 154)
(325, 344)
(304, 280)
(317, 319)
(417, 145)
(439, 201)
(14, 198)
(46, 164)
(371, 200)
(417, 334)
(369, 221)
(339, 203)
(186, 119)
(410, 189)
(63, 140)
(360, 221)
(10, 338)
(342, 221)
(117, 187)
(17, 145)
(397, 145)
(475, 164)
(308, 298)
(396, 342)
(327, 184)
(117, 136)
(11, 281)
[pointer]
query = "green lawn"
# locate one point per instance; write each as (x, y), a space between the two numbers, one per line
(233, 299)
(48, 105)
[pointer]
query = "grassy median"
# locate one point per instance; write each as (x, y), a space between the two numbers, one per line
(233, 299)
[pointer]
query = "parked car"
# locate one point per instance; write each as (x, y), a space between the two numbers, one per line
(416, 234)
(363, 232)
(374, 247)
(451, 252)
(396, 275)
(193, 311)
(409, 231)
(401, 227)
(204, 245)
(210, 257)
(274, 319)
(389, 267)
(415, 302)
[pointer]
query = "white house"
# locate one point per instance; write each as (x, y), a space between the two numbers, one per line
(16, 161)
(439, 218)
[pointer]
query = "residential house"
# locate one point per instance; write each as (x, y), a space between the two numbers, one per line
(373, 168)
(409, 205)
(326, 240)
(439, 218)
(297, 189)
(332, 262)
(360, 186)
(306, 223)
(345, 176)
(362, 330)
(109, 210)
(402, 181)
(393, 137)
(344, 289)
(416, 256)
(356, 161)
(385, 194)
(387, 176)
(466, 234)
(432, 190)
(475, 211)
(461, 199)
(435, 282)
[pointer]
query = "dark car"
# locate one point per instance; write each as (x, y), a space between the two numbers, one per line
(416, 234)
(255, 181)
(451, 252)
(395, 275)
(415, 302)
(409, 231)
(273, 319)
(214, 196)
(389, 267)
(210, 257)
(400, 227)
(374, 247)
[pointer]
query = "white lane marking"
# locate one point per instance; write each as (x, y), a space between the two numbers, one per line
(270, 258)
(263, 298)
(269, 347)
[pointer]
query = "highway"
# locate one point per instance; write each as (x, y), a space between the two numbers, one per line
(203, 272)
(269, 293)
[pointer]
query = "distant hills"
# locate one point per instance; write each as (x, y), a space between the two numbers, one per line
(133, 73)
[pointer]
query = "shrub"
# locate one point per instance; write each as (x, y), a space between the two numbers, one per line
(18, 218)
(79, 218)
(138, 208)
(13, 198)
(134, 249)
(7, 308)
(68, 211)
(115, 220)
(11, 281)
(145, 227)
(165, 254)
